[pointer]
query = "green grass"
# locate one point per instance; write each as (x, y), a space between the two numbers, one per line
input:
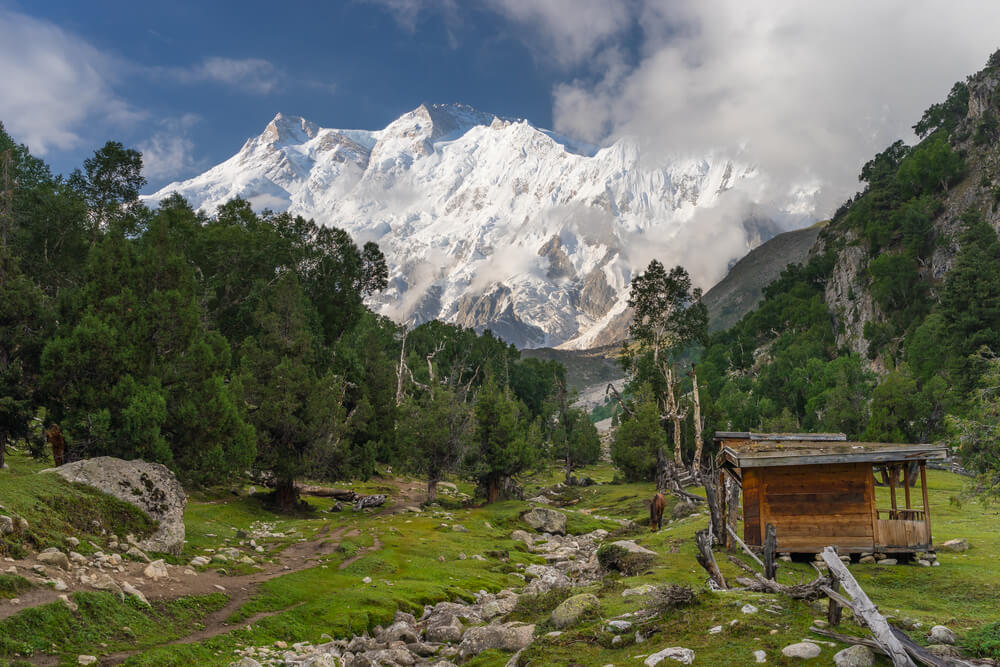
(407, 574)
(56, 509)
(11, 585)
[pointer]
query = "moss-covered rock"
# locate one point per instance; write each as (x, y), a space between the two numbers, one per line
(572, 609)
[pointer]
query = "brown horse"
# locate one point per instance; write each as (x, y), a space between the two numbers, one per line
(55, 438)
(656, 507)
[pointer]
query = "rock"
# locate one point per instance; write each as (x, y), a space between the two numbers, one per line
(366, 580)
(684, 509)
(199, 561)
(867, 559)
(715, 630)
(618, 626)
(546, 578)
(748, 609)
(72, 606)
(546, 520)
(459, 528)
(633, 548)
(77, 558)
(923, 563)
(72, 541)
(400, 632)
(499, 607)
(522, 536)
(801, 650)
(449, 630)
(942, 635)
(571, 609)
(944, 651)
(759, 656)
(57, 584)
(6, 525)
(137, 554)
(149, 486)
(888, 561)
(22, 524)
(363, 502)
(86, 659)
(645, 589)
(248, 662)
(956, 545)
(855, 656)
(682, 655)
(156, 570)
(56, 558)
(506, 637)
(135, 592)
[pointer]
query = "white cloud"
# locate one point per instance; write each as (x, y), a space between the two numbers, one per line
(169, 152)
(52, 84)
(253, 75)
(808, 91)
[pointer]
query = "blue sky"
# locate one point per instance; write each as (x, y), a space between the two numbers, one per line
(806, 90)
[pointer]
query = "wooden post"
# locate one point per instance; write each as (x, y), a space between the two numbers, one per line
(906, 487)
(834, 610)
(770, 547)
(733, 508)
(892, 489)
(927, 505)
(723, 539)
(707, 559)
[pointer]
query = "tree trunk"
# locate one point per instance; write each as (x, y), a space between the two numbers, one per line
(569, 467)
(696, 463)
(492, 490)
(673, 410)
(3, 450)
(399, 371)
(286, 496)
(732, 507)
(432, 490)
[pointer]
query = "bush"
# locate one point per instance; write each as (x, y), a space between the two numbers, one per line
(620, 559)
(983, 642)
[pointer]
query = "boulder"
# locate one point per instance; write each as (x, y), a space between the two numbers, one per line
(956, 545)
(199, 561)
(86, 659)
(633, 548)
(149, 486)
(134, 592)
(645, 589)
(6, 525)
(684, 509)
(376, 500)
(571, 609)
(855, 656)
(56, 558)
(447, 629)
(505, 637)
(759, 656)
(618, 626)
(104, 582)
(944, 650)
(801, 650)
(942, 635)
(400, 631)
(682, 655)
(546, 578)
(546, 520)
(137, 554)
(156, 570)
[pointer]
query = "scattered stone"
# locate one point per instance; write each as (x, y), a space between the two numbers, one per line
(135, 592)
(801, 650)
(104, 582)
(86, 659)
(56, 558)
(72, 541)
(715, 630)
(941, 634)
(618, 626)
(156, 570)
(645, 589)
(57, 584)
(199, 561)
(149, 486)
(760, 656)
(506, 637)
(957, 545)
(542, 500)
(633, 548)
(6, 525)
(571, 609)
(364, 502)
(72, 606)
(923, 563)
(867, 559)
(855, 656)
(522, 536)
(546, 520)
(448, 630)
(137, 553)
(682, 655)
(888, 561)
(77, 558)
(748, 609)
(366, 580)
(459, 528)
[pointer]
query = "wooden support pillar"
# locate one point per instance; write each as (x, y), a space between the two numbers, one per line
(723, 539)
(834, 609)
(927, 505)
(892, 489)
(770, 557)
(906, 486)
(733, 509)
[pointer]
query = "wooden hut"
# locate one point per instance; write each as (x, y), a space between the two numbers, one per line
(818, 490)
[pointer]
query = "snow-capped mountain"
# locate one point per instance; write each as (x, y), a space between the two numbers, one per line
(494, 223)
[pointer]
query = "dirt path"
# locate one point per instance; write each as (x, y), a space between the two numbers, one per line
(239, 589)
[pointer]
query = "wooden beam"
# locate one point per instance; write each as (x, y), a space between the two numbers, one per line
(927, 505)
(706, 558)
(892, 489)
(906, 484)
(734, 536)
(873, 506)
(834, 609)
(866, 611)
(770, 547)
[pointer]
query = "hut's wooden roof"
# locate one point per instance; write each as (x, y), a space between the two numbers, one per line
(764, 453)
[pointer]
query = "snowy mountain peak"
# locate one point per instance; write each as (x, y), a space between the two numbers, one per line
(491, 222)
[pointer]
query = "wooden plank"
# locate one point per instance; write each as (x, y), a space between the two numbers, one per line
(770, 555)
(927, 505)
(865, 610)
(798, 458)
(906, 484)
(815, 544)
(892, 485)
(872, 509)
(834, 609)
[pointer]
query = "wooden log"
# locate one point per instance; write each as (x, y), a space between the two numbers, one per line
(835, 609)
(892, 490)
(811, 591)
(866, 611)
(732, 507)
(906, 485)
(707, 559)
(770, 549)
(326, 492)
(734, 536)
(850, 639)
(927, 505)
(712, 498)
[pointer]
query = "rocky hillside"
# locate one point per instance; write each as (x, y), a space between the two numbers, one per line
(743, 287)
(494, 223)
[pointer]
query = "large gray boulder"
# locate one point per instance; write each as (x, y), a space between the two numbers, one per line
(506, 637)
(149, 486)
(571, 609)
(855, 656)
(546, 520)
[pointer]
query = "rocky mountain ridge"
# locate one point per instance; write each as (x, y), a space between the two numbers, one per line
(493, 223)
